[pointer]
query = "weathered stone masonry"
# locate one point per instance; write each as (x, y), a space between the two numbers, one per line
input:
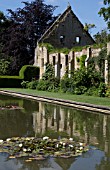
(66, 32)
(60, 61)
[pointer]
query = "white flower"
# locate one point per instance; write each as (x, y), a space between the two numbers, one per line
(81, 144)
(1, 141)
(64, 144)
(57, 145)
(24, 149)
(71, 146)
(81, 148)
(20, 145)
(71, 139)
(8, 139)
(45, 137)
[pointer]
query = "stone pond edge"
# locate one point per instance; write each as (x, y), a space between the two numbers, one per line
(69, 103)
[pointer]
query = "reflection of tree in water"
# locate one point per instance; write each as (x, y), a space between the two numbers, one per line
(85, 122)
(34, 165)
(30, 106)
(15, 123)
(104, 165)
(65, 163)
(74, 122)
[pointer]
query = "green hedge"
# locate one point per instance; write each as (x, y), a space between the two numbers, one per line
(29, 72)
(10, 81)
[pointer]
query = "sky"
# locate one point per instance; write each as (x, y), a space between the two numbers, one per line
(85, 10)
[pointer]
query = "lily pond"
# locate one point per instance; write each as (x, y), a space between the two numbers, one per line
(65, 138)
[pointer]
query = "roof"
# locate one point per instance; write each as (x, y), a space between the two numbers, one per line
(59, 19)
(56, 22)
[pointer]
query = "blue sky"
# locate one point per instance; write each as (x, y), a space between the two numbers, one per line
(85, 10)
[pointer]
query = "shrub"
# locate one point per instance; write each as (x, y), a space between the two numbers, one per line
(102, 90)
(82, 81)
(28, 72)
(42, 85)
(33, 84)
(48, 81)
(24, 84)
(10, 81)
(65, 85)
(108, 92)
(92, 91)
(4, 67)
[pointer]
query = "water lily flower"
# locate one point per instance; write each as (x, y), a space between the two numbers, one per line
(71, 146)
(81, 144)
(45, 137)
(64, 144)
(24, 149)
(71, 139)
(8, 139)
(1, 141)
(57, 145)
(20, 145)
(81, 148)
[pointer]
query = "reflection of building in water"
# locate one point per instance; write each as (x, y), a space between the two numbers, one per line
(76, 124)
(56, 118)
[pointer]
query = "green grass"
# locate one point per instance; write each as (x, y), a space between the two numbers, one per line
(78, 98)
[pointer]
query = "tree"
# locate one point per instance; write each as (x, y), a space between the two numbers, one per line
(88, 27)
(105, 12)
(27, 25)
(102, 37)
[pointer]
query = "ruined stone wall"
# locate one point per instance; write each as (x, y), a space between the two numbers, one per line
(62, 62)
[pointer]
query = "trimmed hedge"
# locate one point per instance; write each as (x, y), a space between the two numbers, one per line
(29, 72)
(10, 81)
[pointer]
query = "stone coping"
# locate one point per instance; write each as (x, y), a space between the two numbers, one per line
(69, 103)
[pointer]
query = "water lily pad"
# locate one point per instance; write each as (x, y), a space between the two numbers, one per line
(39, 149)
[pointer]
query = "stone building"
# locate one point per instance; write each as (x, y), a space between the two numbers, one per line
(67, 31)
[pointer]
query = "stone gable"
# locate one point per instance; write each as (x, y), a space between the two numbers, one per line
(67, 31)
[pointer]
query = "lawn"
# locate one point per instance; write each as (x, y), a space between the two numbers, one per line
(104, 101)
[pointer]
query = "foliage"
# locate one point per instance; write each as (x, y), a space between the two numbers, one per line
(24, 84)
(49, 47)
(102, 37)
(88, 27)
(26, 26)
(92, 91)
(108, 92)
(82, 61)
(105, 12)
(102, 90)
(65, 85)
(4, 67)
(48, 81)
(100, 60)
(28, 72)
(10, 81)
(82, 81)
(33, 84)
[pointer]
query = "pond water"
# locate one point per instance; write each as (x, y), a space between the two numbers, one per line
(21, 117)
